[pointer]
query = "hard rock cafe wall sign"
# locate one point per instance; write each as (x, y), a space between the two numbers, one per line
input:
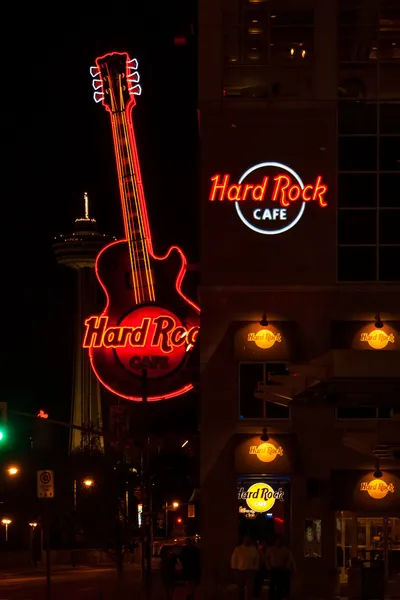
(256, 342)
(358, 335)
(377, 488)
(266, 452)
(255, 456)
(269, 198)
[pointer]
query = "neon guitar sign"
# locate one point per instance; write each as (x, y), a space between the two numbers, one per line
(148, 323)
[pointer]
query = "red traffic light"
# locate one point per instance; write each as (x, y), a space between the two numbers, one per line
(179, 520)
(42, 414)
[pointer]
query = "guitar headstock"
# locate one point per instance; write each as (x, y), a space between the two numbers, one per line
(115, 80)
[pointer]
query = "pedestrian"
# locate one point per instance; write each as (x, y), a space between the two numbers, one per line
(191, 567)
(245, 563)
(280, 562)
(262, 570)
(168, 571)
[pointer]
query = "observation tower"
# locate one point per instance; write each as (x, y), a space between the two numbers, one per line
(78, 250)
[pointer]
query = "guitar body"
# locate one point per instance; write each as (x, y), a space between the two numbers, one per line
(119, 365)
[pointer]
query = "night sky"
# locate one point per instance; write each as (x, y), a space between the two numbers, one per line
(56, 144)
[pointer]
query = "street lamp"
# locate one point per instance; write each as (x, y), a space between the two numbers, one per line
(13, 471)
(6, 523)
(33, 525)
(173, 506)
(88, 483)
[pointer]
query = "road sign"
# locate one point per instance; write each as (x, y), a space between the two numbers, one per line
(45, 484)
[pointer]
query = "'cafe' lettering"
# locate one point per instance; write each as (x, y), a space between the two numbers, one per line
(166, 334)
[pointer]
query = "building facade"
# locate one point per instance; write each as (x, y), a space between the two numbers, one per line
(300, 171)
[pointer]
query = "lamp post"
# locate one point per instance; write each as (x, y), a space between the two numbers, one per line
(173, 506)
(12, 471)
(6, 523)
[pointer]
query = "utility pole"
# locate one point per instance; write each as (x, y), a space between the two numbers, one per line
(146, 493)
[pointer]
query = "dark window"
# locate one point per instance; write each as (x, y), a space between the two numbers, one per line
(389, 153)
(357, 117)
(357, 226)
(357, 263)
(389, 263)
(250, 376)
(363, 412)
(389, 120)
(389, 190)
(357, 153)
(389, 227)
(357, 191)
(292, 17)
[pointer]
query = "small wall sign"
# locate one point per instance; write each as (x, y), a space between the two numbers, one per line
(264, 338)
(266, 452)
(377, 488)
(377, 339)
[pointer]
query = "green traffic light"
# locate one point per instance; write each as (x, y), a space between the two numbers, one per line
(2, 435)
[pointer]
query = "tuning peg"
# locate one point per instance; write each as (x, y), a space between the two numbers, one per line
(133, 63)
(134, 78)
(98, 97)
(97, 84)
(136, 90)
(94, 71)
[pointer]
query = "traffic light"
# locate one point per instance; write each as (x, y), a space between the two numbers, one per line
(42, 414)
(3, 422)
(179, 520)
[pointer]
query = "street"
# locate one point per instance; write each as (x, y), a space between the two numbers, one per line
(75, 583)
(81, 583)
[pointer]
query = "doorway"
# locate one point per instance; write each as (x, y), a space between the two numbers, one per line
(367, 538)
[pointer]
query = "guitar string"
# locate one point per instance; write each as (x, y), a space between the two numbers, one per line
(122, 192)
(137, 212)
(141, 199)
(128, 234)
(136, 175)
(129, 231)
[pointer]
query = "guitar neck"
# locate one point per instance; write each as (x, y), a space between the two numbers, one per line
(137, 231)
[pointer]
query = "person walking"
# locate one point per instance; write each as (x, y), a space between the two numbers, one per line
(191, 567)
(168, 571)
(280, 563)
(262, 570)
(245, 562)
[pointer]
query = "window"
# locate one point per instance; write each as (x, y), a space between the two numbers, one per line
(268, 52)
(251, 375)
(312, 538)
(364, 412)
(368, 140)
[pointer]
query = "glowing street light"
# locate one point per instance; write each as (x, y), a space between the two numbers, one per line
(13, 471)
(88, 483)
(175, 504)
(6, 523)
(33, 525)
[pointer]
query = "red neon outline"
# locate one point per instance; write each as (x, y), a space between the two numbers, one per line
(178, 283)
(130, 329)
(220, 190)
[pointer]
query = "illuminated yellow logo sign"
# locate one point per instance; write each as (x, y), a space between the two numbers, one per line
(377, 339)
(261, 497)
(377, 488)
(264, 338)
(266, 452)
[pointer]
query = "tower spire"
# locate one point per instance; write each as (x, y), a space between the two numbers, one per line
(86, 198)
